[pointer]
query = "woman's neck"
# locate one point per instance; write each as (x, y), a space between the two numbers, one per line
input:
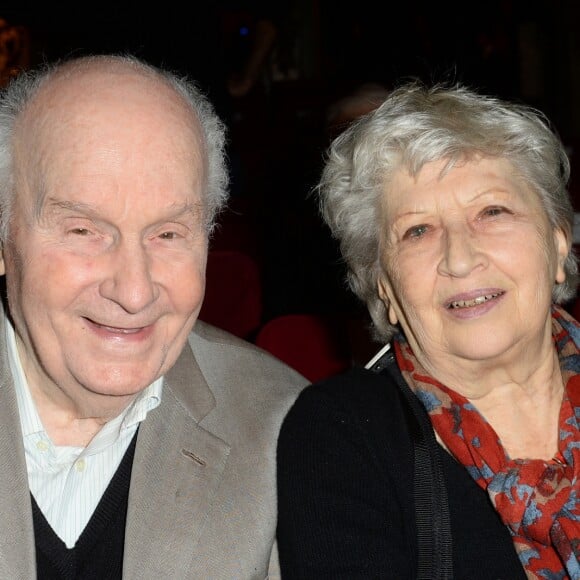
(521, 401)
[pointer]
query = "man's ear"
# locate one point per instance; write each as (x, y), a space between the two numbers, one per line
(2, 265)
(386, 295)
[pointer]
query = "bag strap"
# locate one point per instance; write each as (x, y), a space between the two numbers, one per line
(430, 493)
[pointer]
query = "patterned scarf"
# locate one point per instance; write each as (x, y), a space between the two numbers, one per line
(539, 501)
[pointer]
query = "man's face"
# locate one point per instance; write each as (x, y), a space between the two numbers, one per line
(106, 256)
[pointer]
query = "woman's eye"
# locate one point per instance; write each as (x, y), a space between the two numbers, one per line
(168, 236)
(416, 231)
(493, 211)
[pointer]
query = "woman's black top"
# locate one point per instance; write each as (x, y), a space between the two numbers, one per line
(345, 486)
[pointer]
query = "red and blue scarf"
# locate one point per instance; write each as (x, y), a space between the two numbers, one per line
(539, 501)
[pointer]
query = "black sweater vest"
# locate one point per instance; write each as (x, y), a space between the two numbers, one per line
(98, 553)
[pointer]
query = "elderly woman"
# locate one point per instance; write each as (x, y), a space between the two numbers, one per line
(457, 453)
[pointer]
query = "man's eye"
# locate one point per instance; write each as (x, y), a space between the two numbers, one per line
(80, 231)
(168, 235)
(416, 231)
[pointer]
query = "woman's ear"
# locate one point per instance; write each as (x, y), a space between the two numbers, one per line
(392, 315)
(562, 250)
(386, 295)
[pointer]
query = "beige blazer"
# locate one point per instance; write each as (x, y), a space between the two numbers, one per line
(202, 502)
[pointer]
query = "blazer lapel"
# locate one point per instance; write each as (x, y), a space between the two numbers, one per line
(17, 551)
(176, 471)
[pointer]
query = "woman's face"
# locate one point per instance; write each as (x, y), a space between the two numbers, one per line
(468, 262)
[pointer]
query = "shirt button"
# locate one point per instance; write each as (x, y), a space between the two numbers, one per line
(42, 445)
(80, 465)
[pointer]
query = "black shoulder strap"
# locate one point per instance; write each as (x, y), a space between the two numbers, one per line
(431, 503)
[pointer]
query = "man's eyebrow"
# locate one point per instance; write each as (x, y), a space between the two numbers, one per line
(55, 205)
(195, 208)
(68, 205)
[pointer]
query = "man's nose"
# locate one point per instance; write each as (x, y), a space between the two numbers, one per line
(129, 281)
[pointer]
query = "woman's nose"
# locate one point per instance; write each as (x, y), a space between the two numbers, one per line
(460, 253)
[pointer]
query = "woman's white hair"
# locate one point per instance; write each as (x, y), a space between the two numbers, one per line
(416, 125)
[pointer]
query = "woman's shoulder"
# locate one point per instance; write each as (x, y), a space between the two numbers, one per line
(358, 400)
(353, 419)
(357, 386)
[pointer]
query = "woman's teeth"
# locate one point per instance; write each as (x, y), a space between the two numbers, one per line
(474, 302)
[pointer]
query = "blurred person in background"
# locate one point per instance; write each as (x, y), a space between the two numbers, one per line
(14, 50)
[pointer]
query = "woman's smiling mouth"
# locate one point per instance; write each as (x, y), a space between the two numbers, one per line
(473, 302)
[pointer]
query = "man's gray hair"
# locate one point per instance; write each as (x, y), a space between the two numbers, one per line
(15, 97)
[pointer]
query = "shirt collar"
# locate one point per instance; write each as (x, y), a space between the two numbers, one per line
(30, 421)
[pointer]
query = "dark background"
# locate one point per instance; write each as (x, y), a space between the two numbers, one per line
(525, 49)
(324, 51)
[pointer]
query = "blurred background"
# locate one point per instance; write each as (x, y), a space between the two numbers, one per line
(287, 76)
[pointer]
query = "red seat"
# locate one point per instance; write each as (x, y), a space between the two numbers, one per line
(233, 295)
(312, 344)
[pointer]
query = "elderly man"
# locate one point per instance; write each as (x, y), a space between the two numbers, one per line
(135, 442)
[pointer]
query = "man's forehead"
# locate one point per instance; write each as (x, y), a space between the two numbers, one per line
(80, 126)
(96, 93)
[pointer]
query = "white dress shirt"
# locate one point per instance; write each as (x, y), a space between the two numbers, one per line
(68, 482)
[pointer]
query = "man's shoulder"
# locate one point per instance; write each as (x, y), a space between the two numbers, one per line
(218, 351)
(213, 334)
